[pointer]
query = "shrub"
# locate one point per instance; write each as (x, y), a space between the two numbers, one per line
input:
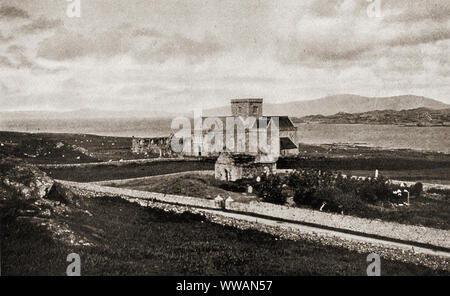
(10, 205)
(324, 194)
(370, 189)
(313, 187)
(237, 186)
(305, 184)
(347, 203)
(270, 189)
(416, 189)
(373, 190)
(444, 192)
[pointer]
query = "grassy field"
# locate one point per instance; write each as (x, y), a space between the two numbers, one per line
(434, 176)
(126, 171)
(406, 167)
(372, 163)
(358, 151)
(426, 171)
(188, 185)
(131, 240)
(42, 148)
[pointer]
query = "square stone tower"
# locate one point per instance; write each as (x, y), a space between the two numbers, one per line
(247, 107)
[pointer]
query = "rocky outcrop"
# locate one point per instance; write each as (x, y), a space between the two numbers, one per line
(23, 181)
(28, 194)
(26, 191)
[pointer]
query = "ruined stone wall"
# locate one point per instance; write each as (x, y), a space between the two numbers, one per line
(152, 147)
(258, 169)
(232, 172)
(227, 172)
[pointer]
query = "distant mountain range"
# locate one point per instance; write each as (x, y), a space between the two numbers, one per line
(417, 117)
(342, 103)
(325, 106)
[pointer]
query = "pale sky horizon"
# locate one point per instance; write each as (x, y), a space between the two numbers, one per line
(177, 55)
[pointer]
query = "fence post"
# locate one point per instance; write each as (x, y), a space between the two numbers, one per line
(228, 202)
(219, 202)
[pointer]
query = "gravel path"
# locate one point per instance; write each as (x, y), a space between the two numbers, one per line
(284, 230)
(344, 223)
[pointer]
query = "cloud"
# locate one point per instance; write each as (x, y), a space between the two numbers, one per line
(69, 45)
(11, 12)
(6, 90)
(3, 88)
(325, 41)
(147, 32)
(4, 38)
(187, 52)
(178, 46)
(141, 89)
(421, 37)
(18, 55)
(40, 24)
(406, 11)
(15, 58)
(330, 8)
(5, 62)
(340, 34)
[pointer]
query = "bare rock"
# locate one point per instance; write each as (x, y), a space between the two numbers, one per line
(23, 181)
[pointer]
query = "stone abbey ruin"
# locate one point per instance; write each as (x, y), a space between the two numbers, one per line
(241, 110)
(241, 158)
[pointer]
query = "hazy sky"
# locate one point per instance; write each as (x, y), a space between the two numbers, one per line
(177, 55)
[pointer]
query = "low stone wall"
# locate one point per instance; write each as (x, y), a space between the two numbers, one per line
(284, 171)
(145, 196)
(396, 231)
(426, 186)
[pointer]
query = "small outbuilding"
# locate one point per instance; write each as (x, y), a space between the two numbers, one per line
(233, 167)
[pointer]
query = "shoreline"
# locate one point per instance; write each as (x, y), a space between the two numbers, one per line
(344, 145)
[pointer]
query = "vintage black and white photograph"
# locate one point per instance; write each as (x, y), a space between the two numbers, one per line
(254, 138)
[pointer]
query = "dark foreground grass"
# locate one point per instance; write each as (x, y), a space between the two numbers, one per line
(131, 240)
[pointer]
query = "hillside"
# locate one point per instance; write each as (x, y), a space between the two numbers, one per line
(418, 117)
(342, 103)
